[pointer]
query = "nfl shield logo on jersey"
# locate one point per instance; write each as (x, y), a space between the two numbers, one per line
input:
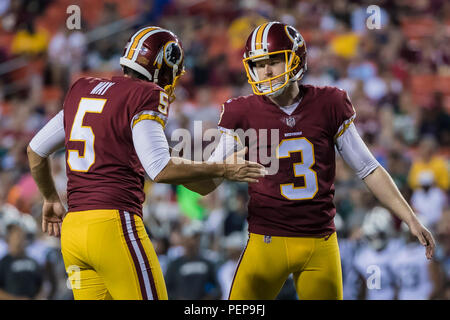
(267, 239)
(290, 122)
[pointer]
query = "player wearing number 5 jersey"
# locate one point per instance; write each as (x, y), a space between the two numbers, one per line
(110, 145)
(291, 211)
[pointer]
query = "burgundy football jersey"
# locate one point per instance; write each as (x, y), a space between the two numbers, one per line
(296, 198)
(103, 169)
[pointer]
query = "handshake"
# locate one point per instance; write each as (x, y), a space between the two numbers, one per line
(238, 169)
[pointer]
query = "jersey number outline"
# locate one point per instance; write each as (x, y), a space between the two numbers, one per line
(301, 169)
(163, 102)
(84, 134)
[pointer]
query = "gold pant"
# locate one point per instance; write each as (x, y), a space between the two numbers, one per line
(266, 263)
(108, 255)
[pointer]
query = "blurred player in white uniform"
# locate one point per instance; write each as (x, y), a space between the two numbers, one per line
(348, 248)
(412, 271)
(373, 261)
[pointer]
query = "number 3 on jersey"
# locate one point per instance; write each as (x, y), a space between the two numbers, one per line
(84, 134)
(301, 169)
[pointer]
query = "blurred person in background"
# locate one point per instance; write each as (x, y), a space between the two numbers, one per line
(427, 158)
(20, 275)
(192, 275)
(412, 271)
(215, 205)
(399, 164)
(29, 40)
(441, 264)
(8, 215)
(66, 52)
(36, 247)
(372, 261)
(435, 120)
(176, 248)
(161, 208)
(348, 247)
(233, 245)
(428, 200)
(236, 213)
(3, 246)
(162, 245)
(346, 184)
(42, 251)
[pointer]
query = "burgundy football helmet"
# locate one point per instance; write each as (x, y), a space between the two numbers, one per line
(267, 40)
(158, 55)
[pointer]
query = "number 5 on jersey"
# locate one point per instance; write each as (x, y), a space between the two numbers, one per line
(301, 169)
(84, 134)
(163, 103)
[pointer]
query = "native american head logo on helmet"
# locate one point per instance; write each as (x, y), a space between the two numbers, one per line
(267, 41)
(158, 55)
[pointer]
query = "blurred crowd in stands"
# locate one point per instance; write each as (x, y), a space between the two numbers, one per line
(397, 76)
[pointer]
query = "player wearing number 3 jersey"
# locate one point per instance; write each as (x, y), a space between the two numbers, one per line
(291, 211)
(110, 145)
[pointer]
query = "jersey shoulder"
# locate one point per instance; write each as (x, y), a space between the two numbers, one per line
(89, 87)
(137, 98)
(87, 82)
(239, 105)
(234, 112)
(240, 102)
(327, 92)
(145, 86)
(145, 95)
(146, 101)
(121, 84)
(333, 103)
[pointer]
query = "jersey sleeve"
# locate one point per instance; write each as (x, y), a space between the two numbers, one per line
(152, 105)
(355, 152)
(50, 137)
(343, 113)
(151, 147)
(227, 145)
(230, 117)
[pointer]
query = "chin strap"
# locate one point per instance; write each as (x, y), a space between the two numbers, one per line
(170, 88)
(276, 93)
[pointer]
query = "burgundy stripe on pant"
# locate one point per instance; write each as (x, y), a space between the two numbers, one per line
(141, 263)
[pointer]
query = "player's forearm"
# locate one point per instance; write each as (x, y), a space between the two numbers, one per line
(181, 171)
(384, 189)
(205, 186)
(40, 170)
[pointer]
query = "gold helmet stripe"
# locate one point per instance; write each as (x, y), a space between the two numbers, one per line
(136, 41)
(132, 39)
(258, 40)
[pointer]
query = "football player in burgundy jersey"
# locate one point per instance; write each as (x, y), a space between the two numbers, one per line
(291, 210)
(110, 145)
